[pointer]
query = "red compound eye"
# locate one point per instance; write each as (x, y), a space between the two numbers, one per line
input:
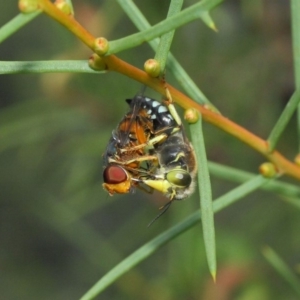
(114, 174)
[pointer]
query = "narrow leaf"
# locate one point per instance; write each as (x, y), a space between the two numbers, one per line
(207, 214)
(206, 18)
(185, 16)
(53, 66)
(15, 24)
(239, 192)
(274, 185)
(295, 20)
(151, 247)
(177, 70)
(282, 268)
(166, 39)
(293, 201)
(283, 120)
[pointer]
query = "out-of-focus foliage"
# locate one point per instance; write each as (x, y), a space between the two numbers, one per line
(60, 232)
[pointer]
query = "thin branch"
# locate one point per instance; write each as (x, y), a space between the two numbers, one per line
(177, 70)
(113, 63)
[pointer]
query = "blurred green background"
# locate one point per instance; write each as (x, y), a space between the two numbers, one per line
(60, 232)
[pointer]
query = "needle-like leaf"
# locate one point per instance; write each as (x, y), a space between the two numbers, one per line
(207, 214)
(59, 66)
(151, 247)
(15, 24)
(187, 15)
(283, 120)
(282, 268)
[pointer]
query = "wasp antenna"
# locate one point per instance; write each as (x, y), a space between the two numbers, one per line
(164, 209)
(137, 95)
(142, 91)
(129, 101)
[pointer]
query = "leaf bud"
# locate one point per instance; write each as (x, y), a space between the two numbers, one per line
(152, 67)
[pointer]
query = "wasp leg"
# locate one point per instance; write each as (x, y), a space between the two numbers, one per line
(144, 189)
(169, 102)
(156, 140)
(150, 143)
(136, 159)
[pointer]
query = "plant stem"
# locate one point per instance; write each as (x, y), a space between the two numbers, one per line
(177, 70)
(113, 63)
(68, 21)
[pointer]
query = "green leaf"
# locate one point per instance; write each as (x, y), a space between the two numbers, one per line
(166, 39)
(15, 24)
(239, 192)
(173, 65)
(187, 15)
(151, 247)
(207, 214)
(283, 120)
(273, 185)
(282, 268)
(206, 18)
(293, 201)
(295, 17)
(58, 66)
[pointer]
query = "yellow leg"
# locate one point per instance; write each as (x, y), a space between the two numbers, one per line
(136, 159)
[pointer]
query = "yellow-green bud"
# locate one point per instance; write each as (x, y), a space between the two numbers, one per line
(63, 6)
(152, 67)
(28, 6)
(191, 115)
(101, 46)
(96, 63)
(267, 170)
(297, 159)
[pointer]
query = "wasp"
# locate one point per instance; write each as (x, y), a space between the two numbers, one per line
(127, 156)
(175, 176)
(123, 157)
(149, 148)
